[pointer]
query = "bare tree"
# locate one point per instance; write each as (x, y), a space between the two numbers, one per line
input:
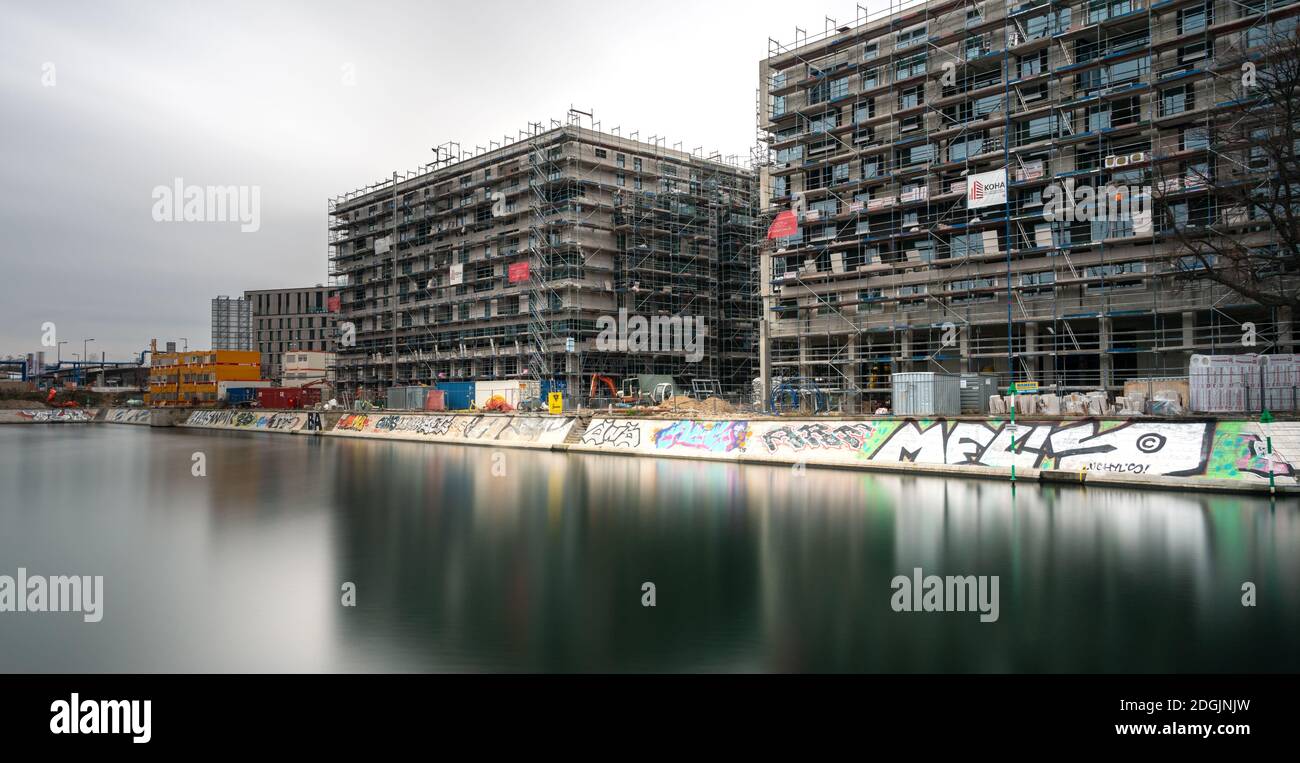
(1247, 237)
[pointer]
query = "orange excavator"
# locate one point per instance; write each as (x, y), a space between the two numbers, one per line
(596, 379)
(49, 400)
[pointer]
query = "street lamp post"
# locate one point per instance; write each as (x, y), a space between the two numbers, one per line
(84, 358)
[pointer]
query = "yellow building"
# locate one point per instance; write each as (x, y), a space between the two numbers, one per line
(193, 378)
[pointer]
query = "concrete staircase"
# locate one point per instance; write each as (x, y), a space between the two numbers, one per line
(579, 429)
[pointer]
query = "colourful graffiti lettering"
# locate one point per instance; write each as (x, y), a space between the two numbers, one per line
(712, 436)
(353, 421)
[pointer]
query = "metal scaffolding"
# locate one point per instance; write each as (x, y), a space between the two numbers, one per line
(873, 130)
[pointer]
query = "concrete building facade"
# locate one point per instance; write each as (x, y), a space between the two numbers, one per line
(508, 264)
(291, 320)
(917, 147)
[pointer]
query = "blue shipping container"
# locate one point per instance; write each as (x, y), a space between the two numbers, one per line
(459, 394)
(239, 395)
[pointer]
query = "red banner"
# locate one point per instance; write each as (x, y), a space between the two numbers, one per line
(785, 225)
(518, 272)
(333, 304)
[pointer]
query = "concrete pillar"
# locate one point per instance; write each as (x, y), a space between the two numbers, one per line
(963, 342)
(1031, 346)
(851, 360)
(1103, 347)
(1189, 329)
(905, 352)
(764, 363)
(803, 357)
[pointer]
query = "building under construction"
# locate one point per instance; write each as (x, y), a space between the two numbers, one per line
(501, 263)
(894, 139)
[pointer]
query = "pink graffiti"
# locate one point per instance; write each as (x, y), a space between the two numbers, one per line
(713, 436)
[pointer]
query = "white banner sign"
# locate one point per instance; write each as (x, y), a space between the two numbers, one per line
(986, 189)
(457, 274)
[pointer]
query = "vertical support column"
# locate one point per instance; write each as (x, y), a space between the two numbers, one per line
(1103, 348)
(572, 378)
(1031, 347)
(803, 357)
(963, 342)
(905, 352)
(851, 359)
(764, 363)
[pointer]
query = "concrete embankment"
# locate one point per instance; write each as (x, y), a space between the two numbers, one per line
(49, 416)
(137, 416)
(282, 422)
(1139, 452)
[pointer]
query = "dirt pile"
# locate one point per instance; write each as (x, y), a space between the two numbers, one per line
(683, 404)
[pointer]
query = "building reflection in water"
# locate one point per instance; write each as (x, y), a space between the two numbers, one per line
(540, 565)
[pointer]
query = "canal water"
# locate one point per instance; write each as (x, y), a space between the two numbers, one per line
(474, 559)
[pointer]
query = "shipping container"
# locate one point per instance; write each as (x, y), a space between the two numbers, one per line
(459, 395)
(926, 394)
(241, 395)
(976, 389)
(224, 387)
(288, 398)
(407, 398)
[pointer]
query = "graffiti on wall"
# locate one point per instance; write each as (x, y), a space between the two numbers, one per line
(277, 422)
(473, 428)
(805, 437)
(1124, 447)
(129, 416)
(616, 434)
(1222, 450)
(1237, 452)
(711, 436)
(57, 414)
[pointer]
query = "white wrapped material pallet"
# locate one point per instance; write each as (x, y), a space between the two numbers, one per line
(1224, 383)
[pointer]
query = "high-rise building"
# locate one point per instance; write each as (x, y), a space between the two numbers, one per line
(232, 321)
(509, 264)
(291, 320)
(926, 153)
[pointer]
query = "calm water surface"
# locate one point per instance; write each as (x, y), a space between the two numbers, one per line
(541, 568)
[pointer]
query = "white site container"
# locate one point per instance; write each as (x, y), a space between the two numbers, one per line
(926, 394)
(512, 391)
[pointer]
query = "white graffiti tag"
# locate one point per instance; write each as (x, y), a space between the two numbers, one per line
(616, 433)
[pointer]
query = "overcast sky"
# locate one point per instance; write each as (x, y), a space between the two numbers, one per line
(101, 102)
